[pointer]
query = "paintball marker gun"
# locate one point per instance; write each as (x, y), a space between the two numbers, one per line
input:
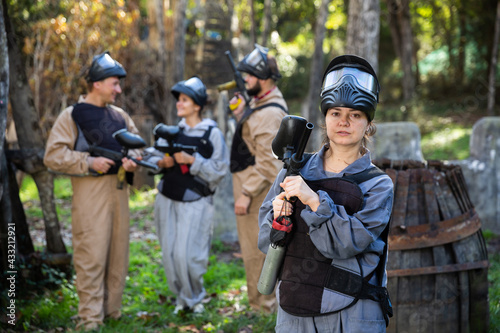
(169, 133)
(238, 81)
(288, 146)
(128, 141)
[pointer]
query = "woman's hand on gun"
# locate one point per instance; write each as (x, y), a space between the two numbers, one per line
(295, 186)
(184, 158)
(166, 162)
(281, 207)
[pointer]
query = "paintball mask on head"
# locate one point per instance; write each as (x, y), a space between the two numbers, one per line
(103, 66)
(350, 81)
(256, 63)
(193, 88)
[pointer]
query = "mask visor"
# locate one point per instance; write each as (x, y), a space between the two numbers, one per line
(363, 80)
(105, 61)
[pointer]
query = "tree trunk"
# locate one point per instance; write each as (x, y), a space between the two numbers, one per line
(459, 69)
(160, 26)
(31, 140)
(407, 51)
(493, 66)
(12, 218)
(393, 8)
(363, 30)
(310, 107)
(4, 85)
(440, 22)
(23, 238)
(402, 37)
(177, 53)
(267, 22)
(5, 209)
(253, 32)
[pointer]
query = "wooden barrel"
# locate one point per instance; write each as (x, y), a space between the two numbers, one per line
(438, 262)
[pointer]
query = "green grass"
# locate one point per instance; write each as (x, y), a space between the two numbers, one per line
(447, 143)
(148, 303)
(494, 291)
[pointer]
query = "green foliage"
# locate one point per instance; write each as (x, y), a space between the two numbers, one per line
(28, 190)
(28, 193)
(494, 292)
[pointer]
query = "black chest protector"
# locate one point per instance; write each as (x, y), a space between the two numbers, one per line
(301, 294)
(180, 186)
(241, 157)
(96, 125)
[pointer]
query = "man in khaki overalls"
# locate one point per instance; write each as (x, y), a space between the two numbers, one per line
(100, 212)
(254, 168)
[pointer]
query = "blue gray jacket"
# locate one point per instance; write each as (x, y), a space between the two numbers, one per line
(352, 241)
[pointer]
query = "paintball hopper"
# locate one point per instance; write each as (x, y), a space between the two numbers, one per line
(292, 136)
(165, 131)
(129, 140)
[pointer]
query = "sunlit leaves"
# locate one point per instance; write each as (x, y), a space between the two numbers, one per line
(66, 43)
(337, 17)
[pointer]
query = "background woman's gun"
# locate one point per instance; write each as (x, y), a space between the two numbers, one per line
(169, 134)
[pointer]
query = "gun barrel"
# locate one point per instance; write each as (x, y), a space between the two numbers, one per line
(303, 141)
(227, 86)
(97, 151)
(144, 163)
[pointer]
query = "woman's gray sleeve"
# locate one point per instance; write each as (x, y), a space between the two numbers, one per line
(212, 169)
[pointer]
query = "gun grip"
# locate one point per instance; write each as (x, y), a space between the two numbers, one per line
(184, 168)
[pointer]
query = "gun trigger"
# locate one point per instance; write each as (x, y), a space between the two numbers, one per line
(184, 168)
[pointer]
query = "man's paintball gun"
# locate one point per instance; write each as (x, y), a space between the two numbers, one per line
(169, 134)
(238, 81)
(288, 146)
(128, 141)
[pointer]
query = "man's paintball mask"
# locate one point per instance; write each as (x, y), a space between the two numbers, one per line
(256, 63)
(103, 66)
(350, 81)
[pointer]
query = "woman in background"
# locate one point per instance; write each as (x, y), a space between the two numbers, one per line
(184, 205)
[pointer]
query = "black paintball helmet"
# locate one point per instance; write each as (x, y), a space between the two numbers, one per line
(257, 64)
(193, 88)
(103, 66)
(350, 81)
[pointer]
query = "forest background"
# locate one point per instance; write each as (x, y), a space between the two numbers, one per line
(436, 61)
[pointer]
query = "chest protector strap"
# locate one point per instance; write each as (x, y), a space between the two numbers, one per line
(241, 157)
(185, 187)
(307, 274)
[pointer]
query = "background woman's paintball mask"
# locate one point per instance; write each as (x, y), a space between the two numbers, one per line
(256, 63)
(103, 66)
(193, 88)
(350, 81)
